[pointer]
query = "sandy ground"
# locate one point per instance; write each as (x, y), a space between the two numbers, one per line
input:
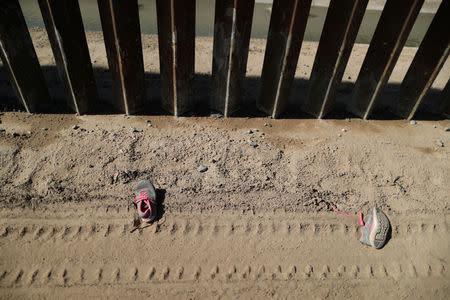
(257, 224)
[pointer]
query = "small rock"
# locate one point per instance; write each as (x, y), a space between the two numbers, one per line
(413, 122)
(15, 134)
(434, 126)
(349, 78)
(135, 129)
(45, 129)
(75, 127)
(267, 124)
(28, 115)
(344, 130)
(202, 169)
(261, 133)
(2, 130)
(148, 121)
(213, 161)
(447, 129)
(440, 143)
(339, 135)
(252, 143)
(149, 125)
(29, 132)
(216, 116)
(255, 130)
(267, 178)
(175, 159)
(347, 119)
(250, 131)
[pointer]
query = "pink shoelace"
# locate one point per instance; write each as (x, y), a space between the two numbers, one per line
(144, 198)
(360, 221)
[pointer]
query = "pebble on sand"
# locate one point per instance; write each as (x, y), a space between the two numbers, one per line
(252, 143)
(440, 143)
(135, 130)
(413, 122)
(202, 169)
(75, 127)
(447, 129)
(45, 129)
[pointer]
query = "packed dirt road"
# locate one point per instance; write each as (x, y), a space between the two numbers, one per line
(257, 224)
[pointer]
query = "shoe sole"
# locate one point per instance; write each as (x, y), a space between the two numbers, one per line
(379, 233)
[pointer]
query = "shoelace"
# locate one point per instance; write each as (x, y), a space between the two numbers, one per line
(144, 198)
(360, 221)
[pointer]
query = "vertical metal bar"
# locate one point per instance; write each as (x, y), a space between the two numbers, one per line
(232, 29)
(443, 106)
(68, 40)
(286, 30)
(19, 57)
(393, 28)
(427, 63)
(176, 36)
(336, 43)
(122, 35)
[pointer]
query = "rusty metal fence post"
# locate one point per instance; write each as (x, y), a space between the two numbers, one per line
(232, 28)
(68, 40)
(286, 30)
(176, 36)
(19, 58)
(427, 63)
(444, 101)
(395, 24)
(336, 42)
(122, 35)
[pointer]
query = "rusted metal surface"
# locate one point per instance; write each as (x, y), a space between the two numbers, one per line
(20, 60)
(427, 63)
(336, 43)
(176, 36)
(388, 40)
(232, 28)
(286, 30)
(66, 33)
(122, 35)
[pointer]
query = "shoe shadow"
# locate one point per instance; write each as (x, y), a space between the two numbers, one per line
(388, 236)
(160, 208)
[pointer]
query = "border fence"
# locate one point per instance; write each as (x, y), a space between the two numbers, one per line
(232, 27)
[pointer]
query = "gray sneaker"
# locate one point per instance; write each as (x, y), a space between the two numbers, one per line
(146, 201)
(376, 230)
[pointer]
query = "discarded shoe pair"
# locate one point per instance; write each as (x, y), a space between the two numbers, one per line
(375, 231)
